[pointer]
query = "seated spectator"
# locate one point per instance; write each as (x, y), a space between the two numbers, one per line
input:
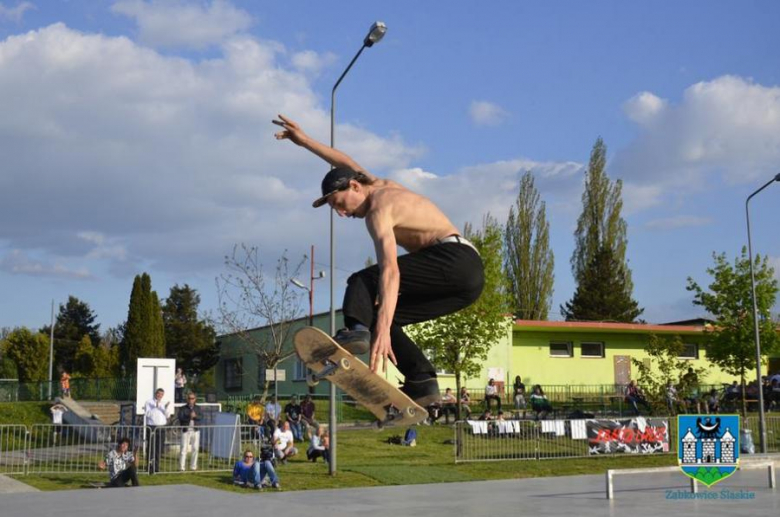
(121, 465)
(539, 402)
(272, 409)
(284, 443)
(634, 396)
(317, 448)
(713, 403)
(491, 394)
(307, 411)
(486, 415)
(244, 471)
(292, 413)
(255, 415)
(448, 405)
(465, 400)
(519, 395)
(671, 398)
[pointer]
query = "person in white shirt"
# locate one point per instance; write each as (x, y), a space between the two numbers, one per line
(273, 409)
(57, 410)
(491, 393)
(156, 414)
(284, 446)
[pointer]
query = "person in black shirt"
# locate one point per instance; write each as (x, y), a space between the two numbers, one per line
(189, 417)
(293, 413)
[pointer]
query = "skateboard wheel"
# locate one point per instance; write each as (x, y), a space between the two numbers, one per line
(411, 412)
(311, 380)
(345, 364)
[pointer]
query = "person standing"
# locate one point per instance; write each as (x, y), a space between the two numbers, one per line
(57, 410)
(179, 382)
(156, 414)
(65, 384)
(189, 418)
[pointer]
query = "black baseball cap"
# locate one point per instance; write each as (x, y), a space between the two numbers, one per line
(335, 180)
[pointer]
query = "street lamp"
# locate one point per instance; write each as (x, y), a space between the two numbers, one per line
(375, 34)
(310, 288)
(761, 416)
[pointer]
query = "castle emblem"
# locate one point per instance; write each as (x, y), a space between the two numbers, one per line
(708, 446)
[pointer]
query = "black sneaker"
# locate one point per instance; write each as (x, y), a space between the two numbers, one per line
(356, 342)
(425, 392)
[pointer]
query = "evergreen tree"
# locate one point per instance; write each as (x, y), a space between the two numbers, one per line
(601, 241)
(528, 259)
(187, 339)
(74, 321)
(144, 331)
(592, 302)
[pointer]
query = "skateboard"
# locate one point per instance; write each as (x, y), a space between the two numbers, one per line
(328, 360)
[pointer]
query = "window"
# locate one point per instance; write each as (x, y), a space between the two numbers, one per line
(592, 350)
(233, 374)
(300, 370)
(690, 351)
(560, 349)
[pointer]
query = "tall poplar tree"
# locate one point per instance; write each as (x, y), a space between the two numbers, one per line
(528, 259)
(144, 330)
(600, 242)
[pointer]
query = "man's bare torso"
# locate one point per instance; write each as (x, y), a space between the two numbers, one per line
(417, 222)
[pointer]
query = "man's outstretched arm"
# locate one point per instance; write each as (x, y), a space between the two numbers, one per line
(292, 131)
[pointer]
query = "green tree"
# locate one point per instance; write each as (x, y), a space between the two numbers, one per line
(664, 366)
(592, 301)
(529, 261)
(188, 339)
(30, 352)
(601, 238)
(74, 321)
(460, 342)
(144, 334)
(84, 363)
(730, 342)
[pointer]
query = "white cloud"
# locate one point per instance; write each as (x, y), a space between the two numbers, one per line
(484, 113)
(728, 128)
(15, 14)
(643, 107)
(18, 263)
(312, 62)
(141, 159)
(680, 221)
(182, 24)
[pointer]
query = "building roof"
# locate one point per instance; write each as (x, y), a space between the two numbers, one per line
(603, 326)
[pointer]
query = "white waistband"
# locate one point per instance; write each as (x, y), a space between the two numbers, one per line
(458, 239)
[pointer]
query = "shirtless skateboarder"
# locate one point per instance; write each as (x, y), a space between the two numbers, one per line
(441, 273)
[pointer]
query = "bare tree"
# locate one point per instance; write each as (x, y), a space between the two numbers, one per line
(248, 300)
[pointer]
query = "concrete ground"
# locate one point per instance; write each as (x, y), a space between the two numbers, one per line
(638, 496)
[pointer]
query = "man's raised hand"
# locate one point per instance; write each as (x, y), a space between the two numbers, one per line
(292, 131)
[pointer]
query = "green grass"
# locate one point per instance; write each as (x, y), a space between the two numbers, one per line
(365, 459)
(25, 413)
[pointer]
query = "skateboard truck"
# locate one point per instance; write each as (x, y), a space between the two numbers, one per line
(313, 378)
(392, 413)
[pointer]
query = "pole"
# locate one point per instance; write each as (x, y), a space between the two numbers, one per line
(311, 290)
(51, 349)
(756, 333)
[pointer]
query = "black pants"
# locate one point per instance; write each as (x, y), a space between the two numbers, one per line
(121, 479)
(155, 445)
(435, 281)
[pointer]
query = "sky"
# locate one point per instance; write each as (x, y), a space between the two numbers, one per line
(136, 135)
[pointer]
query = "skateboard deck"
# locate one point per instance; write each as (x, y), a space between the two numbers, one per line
(329, 361)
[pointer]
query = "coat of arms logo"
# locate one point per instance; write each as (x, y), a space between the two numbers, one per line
(708, 446)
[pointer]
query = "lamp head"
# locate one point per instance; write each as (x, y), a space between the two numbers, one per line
(375, 34)
(777, 178)
(298, 283)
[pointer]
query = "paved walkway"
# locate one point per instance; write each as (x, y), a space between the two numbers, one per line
(584, 496)
(12, 486)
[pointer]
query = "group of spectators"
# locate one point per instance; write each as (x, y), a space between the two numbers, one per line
(537, 400)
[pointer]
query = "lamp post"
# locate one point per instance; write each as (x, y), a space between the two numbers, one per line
(310, 289)
(375, 34)
(761, 415)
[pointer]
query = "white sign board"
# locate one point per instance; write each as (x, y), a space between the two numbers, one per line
(280, 375)
(496, 373)
(153, 373)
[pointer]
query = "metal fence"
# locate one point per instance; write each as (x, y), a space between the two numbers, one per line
(79, 449)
